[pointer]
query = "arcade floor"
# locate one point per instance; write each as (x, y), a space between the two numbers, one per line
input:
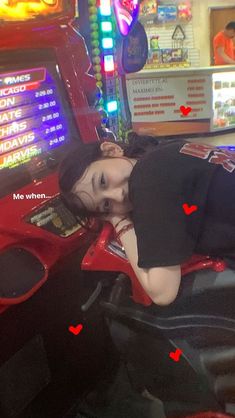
(118, 401)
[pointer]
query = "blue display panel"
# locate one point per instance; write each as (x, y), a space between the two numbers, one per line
(32, 120)
(36, 122)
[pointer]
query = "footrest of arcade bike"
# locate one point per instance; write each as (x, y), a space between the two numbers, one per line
(170, 325)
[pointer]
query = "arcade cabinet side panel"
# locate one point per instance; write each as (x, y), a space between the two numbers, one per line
(43, 111)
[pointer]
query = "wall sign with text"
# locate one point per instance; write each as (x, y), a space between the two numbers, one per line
(155, 104)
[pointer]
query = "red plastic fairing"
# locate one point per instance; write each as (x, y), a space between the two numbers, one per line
(47, 247)
(100, 258)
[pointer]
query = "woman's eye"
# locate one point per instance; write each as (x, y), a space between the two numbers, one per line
(102, 180)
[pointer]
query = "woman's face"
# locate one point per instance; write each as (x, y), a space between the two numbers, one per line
(104, 185)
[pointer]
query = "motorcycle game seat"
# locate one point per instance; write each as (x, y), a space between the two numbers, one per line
(201, 322)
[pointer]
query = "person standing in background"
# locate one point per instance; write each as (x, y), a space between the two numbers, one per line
(224, 46)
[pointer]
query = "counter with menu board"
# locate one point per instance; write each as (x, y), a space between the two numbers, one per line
(182, 101)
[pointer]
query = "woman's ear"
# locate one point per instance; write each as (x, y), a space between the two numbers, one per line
(109, 149)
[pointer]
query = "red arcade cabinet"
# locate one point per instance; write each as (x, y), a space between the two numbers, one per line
(44, 93)
(45, 98)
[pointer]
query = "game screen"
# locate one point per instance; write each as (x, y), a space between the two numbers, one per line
(36, 124)
(16, 10)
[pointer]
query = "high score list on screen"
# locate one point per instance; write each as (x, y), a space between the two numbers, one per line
(32, 120)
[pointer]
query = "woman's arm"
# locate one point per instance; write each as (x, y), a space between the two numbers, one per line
(160, 283)
(164, 283)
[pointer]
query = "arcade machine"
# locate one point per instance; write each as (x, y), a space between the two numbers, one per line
(45, 92)
(43, 113)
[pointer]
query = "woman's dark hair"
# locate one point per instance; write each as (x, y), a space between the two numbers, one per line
(76, 162)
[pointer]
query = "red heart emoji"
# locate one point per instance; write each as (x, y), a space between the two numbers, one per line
(175, 355)
(76, 330)
(189, 209)
(185, 110)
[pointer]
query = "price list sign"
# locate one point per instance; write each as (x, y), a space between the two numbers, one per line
(32, 119)
(160, 98)
(155, 104)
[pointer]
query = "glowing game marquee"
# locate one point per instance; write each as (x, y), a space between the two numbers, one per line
(126, 12)
(15, 10)
(31, 116)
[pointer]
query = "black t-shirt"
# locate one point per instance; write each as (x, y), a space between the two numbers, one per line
(160, 184)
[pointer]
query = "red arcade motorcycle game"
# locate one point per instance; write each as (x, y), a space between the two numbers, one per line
(45, 98)
(44, 85)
